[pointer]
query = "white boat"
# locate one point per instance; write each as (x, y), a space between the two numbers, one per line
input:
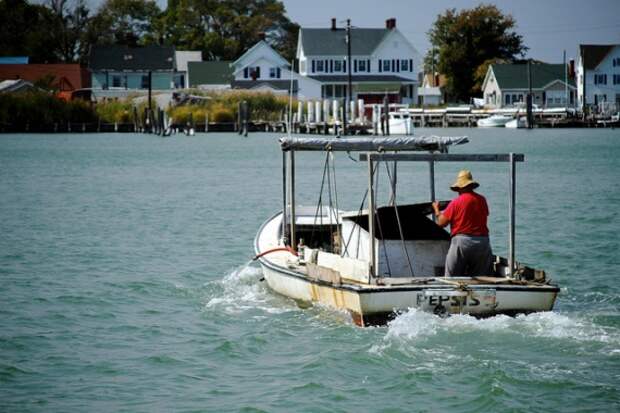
(494, 121)
(400, 123)
(517, 123)
(378, 261)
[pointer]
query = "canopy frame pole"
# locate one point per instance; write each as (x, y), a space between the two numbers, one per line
(284, 199)
(431, 175)
(371, 220)
(292, 198)
(511, 207)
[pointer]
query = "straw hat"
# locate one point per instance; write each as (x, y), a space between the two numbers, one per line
(464, 179)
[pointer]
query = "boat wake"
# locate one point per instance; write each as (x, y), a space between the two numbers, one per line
(419, 327)
(240, 291)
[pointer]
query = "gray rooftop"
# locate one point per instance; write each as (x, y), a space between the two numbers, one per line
(156, 58)
(328, 42)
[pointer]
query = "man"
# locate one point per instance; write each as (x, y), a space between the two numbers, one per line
(470, 250)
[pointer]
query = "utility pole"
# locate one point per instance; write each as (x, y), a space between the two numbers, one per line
(349, 63)
(565, 83)
(530, 117)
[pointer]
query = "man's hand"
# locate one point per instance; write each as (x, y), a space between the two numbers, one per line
(442, 221)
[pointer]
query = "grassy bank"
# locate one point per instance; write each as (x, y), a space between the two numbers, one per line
(36, 107)
(42, 108)
(223, 107)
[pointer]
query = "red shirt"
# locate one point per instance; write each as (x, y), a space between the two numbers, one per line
(468, 214)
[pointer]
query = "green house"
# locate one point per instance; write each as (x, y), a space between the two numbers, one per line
(120, 71)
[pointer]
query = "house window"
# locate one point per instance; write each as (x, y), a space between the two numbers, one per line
(616, 79)
(144, 84)
(616, 62)
(508, 99)
(337, 66)
(411, 65)
(274, 72)
(361, 66)
(404, 65)
(386, 65)
(246, 73)
(600, 79)
(255, 72)
(320, 66)
(179, 81)
(116, 80)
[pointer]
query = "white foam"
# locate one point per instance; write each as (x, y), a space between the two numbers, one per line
(241, 291)
(417, 325)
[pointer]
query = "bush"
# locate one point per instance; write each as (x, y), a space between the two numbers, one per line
(223, 106)
(42, 108)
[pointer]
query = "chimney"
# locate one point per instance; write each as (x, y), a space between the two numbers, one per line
(333, 23)
(390, 24)
(261, 36)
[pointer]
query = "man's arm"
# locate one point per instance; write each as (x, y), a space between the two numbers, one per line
(442, 221)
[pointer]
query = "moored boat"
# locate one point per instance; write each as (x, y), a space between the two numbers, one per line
(494, 121)
(517, 123)
(378, 261)
(400, 123)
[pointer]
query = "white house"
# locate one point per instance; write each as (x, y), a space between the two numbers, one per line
(598, 77)
(507, 85)
(262, 68)
(383, 62)
(182, 58)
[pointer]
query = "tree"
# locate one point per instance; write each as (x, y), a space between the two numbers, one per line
(124, 22)
(464, 41)
(224, 29)
(25, 31)
(70, 22)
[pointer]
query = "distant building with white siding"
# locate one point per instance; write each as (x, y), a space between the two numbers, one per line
(598, 77)
(261, 68)
(383, 62)
(507, 85)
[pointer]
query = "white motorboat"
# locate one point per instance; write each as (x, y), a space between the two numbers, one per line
(494, 121)
(378, 261)
(517, 123)
(400, 123)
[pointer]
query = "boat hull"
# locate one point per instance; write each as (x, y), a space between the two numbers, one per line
(494, 122)
(376, 303)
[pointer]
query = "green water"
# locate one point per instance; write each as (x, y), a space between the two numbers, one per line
(124, 283)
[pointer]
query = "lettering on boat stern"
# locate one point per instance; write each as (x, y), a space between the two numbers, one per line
(444, 301)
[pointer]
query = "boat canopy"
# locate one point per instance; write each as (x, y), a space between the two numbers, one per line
(423, 143)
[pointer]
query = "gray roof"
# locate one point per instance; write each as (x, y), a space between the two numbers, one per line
(328, 42)
(155, 58)
(515, 76)
(593, 55)
(209, 73)
(362, 78)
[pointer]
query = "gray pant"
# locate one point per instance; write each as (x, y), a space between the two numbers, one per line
(469, 256)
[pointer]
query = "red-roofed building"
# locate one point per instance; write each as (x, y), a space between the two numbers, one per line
(66, 78)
